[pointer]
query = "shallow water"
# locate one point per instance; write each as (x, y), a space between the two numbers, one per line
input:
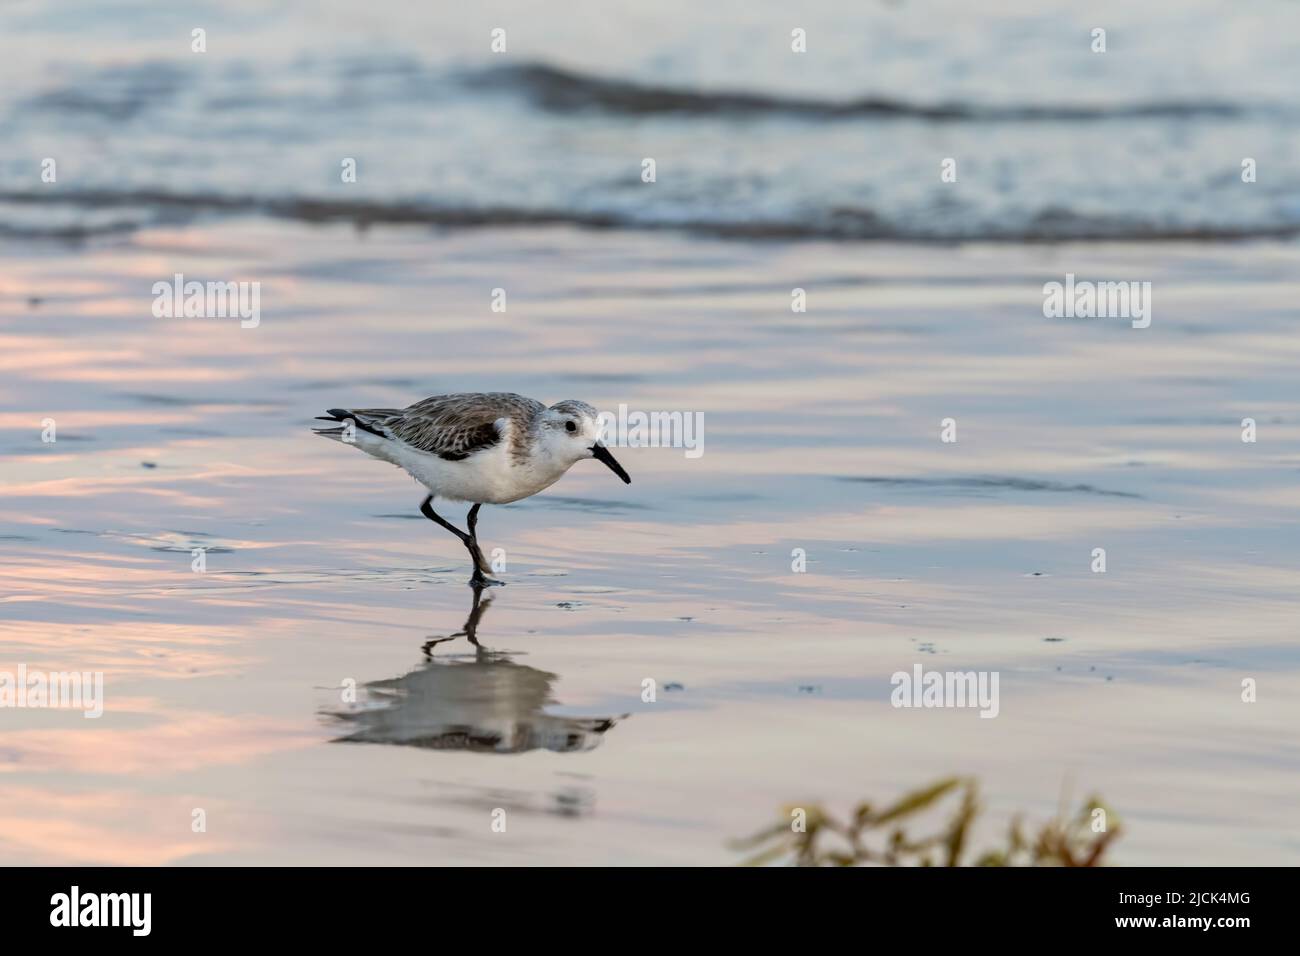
(1051, 139)
(224, 689)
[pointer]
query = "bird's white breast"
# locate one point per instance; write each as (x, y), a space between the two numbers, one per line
(491, 476)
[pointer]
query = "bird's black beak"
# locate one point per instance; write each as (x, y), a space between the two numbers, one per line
(601, 453)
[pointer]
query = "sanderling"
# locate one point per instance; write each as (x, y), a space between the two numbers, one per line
(481, 447)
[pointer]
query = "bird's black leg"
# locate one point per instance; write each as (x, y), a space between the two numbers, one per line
(478, 578)
(472, 520)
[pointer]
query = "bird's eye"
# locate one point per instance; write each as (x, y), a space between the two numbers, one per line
(570, 427)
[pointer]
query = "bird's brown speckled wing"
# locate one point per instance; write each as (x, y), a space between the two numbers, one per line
(454, 427)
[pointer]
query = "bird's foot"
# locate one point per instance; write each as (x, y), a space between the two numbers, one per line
(479, 581)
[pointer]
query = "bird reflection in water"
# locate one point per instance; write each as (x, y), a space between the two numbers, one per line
(483, 704)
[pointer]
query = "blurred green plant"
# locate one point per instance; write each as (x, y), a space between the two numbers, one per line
(809, 836)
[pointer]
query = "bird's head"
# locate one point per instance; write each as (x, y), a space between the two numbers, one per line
(571, 431)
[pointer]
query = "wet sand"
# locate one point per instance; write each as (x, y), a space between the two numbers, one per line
(822, 432)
